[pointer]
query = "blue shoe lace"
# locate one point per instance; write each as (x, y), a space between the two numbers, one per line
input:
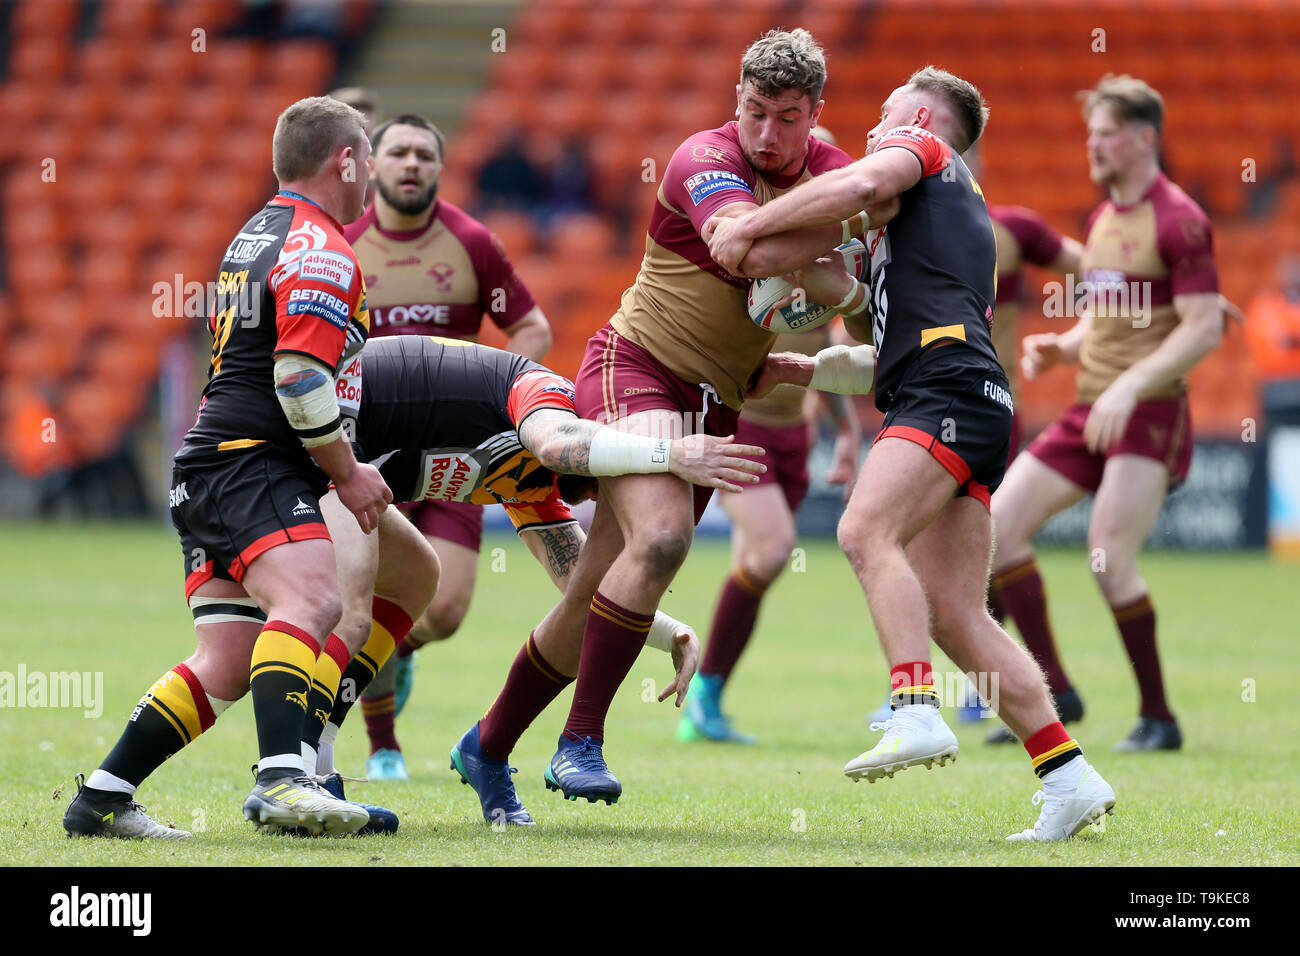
(589, 758)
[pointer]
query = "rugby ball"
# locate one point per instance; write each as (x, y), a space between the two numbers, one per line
(800, 315)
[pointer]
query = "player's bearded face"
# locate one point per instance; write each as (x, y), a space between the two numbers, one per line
(407, 167)
(774, 130)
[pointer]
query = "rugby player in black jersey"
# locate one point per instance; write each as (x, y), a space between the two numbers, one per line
(289, 311)
(917, 529)
(447, 420)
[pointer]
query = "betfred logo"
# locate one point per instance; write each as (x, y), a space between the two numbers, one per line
(449, 475)
(325, 266)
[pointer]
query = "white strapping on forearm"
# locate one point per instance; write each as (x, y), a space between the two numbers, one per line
(617, 453)
(844, 370)
(312, 410)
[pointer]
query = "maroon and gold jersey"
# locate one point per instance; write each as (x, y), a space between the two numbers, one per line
(783, 406)
(289, 282)
(440, 420)
(1135, 260)
(933, 267)
(684, 308)
(439, 280)
(1022, 235)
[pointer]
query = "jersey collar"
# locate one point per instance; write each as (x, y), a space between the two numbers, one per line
(406, 235)
(299, 197)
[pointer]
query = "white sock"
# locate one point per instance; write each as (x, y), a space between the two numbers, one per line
(325, 752)
(1069, 776)
(308, 756)
(103, 780)
(218, 705)
(282, 762)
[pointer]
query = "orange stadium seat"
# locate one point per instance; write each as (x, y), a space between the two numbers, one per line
(227, 60)
(172, 61)
(582, 238)
(40, 18)
(515, 230)
(130, 21)
(44, 59)
(304, 65)
(86, 105)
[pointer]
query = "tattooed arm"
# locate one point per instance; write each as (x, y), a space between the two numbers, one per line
(556, 549)
(570, 445)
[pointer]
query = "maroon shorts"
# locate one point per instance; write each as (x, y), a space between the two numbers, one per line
(787, 457)
(619, 378)
(1159, 429)
(454, 521)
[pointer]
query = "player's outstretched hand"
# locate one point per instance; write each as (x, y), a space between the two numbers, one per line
(365, 494)
(715, 462)
(1108, 417)
(686, 658)
(728, 245)
(1041, 352)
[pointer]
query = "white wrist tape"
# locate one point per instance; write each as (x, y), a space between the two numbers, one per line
(853, 290)
(662, 632)
(617, 453)
(845, 370)
(306, 393)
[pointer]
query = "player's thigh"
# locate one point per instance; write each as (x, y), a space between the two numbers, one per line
(762, 527)
(1127, 503)
(356, 561)
(298, 580)
(409, 569)
(650, 506)
(1030, 494)
(457, 577)
(900, 490)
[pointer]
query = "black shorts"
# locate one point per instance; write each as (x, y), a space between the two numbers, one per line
(231, 507)
(957, 405)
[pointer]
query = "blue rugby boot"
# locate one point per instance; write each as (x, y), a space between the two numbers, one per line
(382, 820)
(704, 719)
(490, 780)
(578, 770)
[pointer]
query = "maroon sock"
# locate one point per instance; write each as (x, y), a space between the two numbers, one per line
(733, 623)
(1137, 627)
(530, 687)
(405, 648)
(1023, 597)
(994, 602)
(611, 642)
(378, 712)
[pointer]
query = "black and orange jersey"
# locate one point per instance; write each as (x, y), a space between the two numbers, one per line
(289, 282)
(440, 419)
(933, 267)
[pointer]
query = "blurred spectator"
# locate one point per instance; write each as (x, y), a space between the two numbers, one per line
(568, 183)
(364, 100)
(1273, 324)
(509, 179)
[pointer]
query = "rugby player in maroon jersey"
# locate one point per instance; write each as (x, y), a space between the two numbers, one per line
(1152, 311)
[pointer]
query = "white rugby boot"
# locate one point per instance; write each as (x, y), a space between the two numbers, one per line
(299, 801)
(915, 734)
(1069, 807)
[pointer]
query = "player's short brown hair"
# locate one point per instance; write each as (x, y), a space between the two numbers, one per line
(783, 60)
(409, 119)
(309, 132)
(965, 100)
(1130, 99)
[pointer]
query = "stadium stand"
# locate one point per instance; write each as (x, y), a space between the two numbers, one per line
(128, 170)
(149, 178)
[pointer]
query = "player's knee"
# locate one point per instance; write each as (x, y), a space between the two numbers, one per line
(442, 619)
(765, 563)
(855, 538)
(661, 551)
(222, 672)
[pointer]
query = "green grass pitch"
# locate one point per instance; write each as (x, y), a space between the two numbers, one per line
(107, 599)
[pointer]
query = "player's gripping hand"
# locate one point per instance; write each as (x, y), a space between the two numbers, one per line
(1041, 352)
(686, 658)
(844, 464)
(1109, 416)
(879, 213)
(728, 241)
(715, 462)
(365, 494)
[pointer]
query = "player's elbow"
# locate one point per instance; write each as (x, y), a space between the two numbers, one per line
(551, 451)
